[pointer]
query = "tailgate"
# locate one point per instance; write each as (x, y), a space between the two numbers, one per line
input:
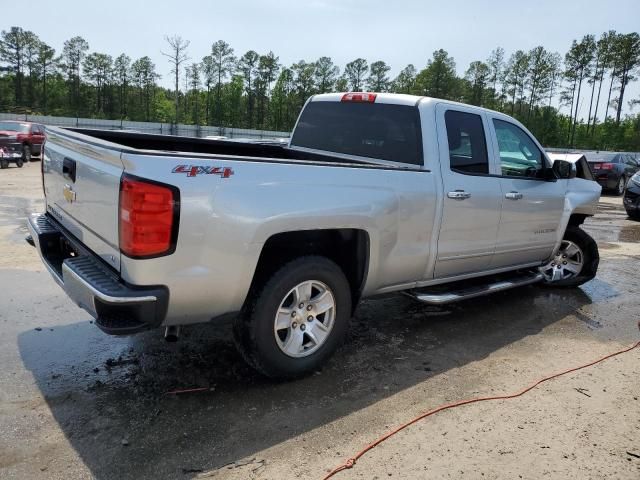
(81, 178)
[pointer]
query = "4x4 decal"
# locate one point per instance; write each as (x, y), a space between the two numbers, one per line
(193, 170)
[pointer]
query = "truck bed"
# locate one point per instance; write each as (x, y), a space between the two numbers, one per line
(172, 144)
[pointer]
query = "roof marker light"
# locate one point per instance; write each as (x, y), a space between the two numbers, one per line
(359, 97)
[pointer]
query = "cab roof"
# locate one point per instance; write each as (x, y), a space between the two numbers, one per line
(393, 98)
(397, 99)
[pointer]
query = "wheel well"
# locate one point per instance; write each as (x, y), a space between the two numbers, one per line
(577, 219)
(347, 247)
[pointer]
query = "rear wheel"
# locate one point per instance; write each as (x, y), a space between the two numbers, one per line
(297, 320)
(19, 163)
(26, 153)
(622, 183)
(576, 261)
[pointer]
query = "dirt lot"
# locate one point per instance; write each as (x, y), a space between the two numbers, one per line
(75, 403)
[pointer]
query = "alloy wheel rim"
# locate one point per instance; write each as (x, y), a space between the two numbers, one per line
(566, 264)
(304, 319)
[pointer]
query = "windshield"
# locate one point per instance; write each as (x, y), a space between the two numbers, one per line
(374, 130)
(14, 127)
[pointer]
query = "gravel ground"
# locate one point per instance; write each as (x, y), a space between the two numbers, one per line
(75, 403)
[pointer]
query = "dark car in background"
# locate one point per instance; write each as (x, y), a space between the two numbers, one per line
(631, 199)
(612, 170)
(20, 140)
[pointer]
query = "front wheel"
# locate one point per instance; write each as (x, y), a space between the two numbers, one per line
(576, 261)
(622, 183)
(4, 163)
(297, 320)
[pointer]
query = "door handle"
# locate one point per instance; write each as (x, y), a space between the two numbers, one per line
(513, 195)
(458, 195)
(69, 169)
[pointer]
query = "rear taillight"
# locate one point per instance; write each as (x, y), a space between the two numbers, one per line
(359, 97)
(148, 217)
(606, 166)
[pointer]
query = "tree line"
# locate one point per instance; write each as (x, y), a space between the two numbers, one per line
(559, 98)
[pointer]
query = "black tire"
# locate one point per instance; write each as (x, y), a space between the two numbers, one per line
(26, 153)
(590, 263)
(19, 163)
(254, 328)
(4, 163)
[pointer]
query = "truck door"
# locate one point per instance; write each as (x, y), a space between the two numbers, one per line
(532, 204)
(472, 196)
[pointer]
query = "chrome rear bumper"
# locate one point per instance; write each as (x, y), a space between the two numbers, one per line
(119, 308)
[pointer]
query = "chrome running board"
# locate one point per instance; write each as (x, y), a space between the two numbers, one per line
(455, 295)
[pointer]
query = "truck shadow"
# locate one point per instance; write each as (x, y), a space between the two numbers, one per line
(109, 395)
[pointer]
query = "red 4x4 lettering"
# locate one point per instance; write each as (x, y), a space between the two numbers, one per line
(193, 170)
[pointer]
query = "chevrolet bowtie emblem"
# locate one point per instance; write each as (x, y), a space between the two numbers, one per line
(69, 194)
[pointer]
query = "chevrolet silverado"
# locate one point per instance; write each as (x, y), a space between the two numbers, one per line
(374, 193)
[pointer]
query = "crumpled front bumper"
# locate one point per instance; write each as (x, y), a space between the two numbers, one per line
(119, 308)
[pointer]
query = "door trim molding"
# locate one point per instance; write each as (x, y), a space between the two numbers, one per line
(467, 255)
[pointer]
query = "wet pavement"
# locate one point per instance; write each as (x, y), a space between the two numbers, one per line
(75, 403)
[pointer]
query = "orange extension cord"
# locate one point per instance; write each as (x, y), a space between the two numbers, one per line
(350, 462)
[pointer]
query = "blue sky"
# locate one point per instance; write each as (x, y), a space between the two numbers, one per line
(399, 32)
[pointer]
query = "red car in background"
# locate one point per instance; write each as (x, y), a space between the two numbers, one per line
(20, 141)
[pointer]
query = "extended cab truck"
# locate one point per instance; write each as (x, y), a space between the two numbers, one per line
(375, 193)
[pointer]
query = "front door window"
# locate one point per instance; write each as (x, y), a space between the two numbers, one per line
(519, 155)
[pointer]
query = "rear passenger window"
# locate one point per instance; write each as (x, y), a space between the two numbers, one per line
(467, 144)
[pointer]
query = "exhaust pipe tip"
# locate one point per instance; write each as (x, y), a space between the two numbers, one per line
(171, 333)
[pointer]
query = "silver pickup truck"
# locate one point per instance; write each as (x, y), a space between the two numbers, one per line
(375, 193)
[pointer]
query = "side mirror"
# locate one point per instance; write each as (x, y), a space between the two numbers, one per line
(564, 169)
